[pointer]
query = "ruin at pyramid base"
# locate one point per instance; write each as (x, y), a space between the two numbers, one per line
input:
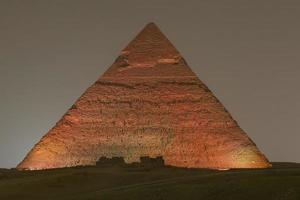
(148, 103)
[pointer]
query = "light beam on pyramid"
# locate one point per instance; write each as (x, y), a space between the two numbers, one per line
(148, 103)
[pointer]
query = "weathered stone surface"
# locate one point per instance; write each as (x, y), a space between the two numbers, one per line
(148, 103)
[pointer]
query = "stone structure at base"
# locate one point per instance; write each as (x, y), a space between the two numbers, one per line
(145, 161)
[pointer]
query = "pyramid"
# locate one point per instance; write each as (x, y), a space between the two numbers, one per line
(148, 103)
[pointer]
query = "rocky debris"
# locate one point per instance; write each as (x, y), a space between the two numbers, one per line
(145, 161)
(158, 107)
(152, 162)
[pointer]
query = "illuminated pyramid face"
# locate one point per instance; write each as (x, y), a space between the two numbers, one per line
(148, 103)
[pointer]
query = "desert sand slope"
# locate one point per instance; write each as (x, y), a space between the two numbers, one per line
(282, 182)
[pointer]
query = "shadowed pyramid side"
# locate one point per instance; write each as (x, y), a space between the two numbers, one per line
(148, 103)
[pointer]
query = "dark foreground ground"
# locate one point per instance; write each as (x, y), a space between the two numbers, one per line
(282, 182)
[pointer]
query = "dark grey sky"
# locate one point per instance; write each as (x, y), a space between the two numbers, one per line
(247, 52)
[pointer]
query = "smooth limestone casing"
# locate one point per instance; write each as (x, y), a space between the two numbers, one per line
(148, 103)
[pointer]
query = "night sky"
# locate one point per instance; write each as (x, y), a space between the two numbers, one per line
(246, 52)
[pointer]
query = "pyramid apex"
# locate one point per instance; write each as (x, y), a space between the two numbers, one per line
(151, 25)
(149, 46)
(150, 53)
